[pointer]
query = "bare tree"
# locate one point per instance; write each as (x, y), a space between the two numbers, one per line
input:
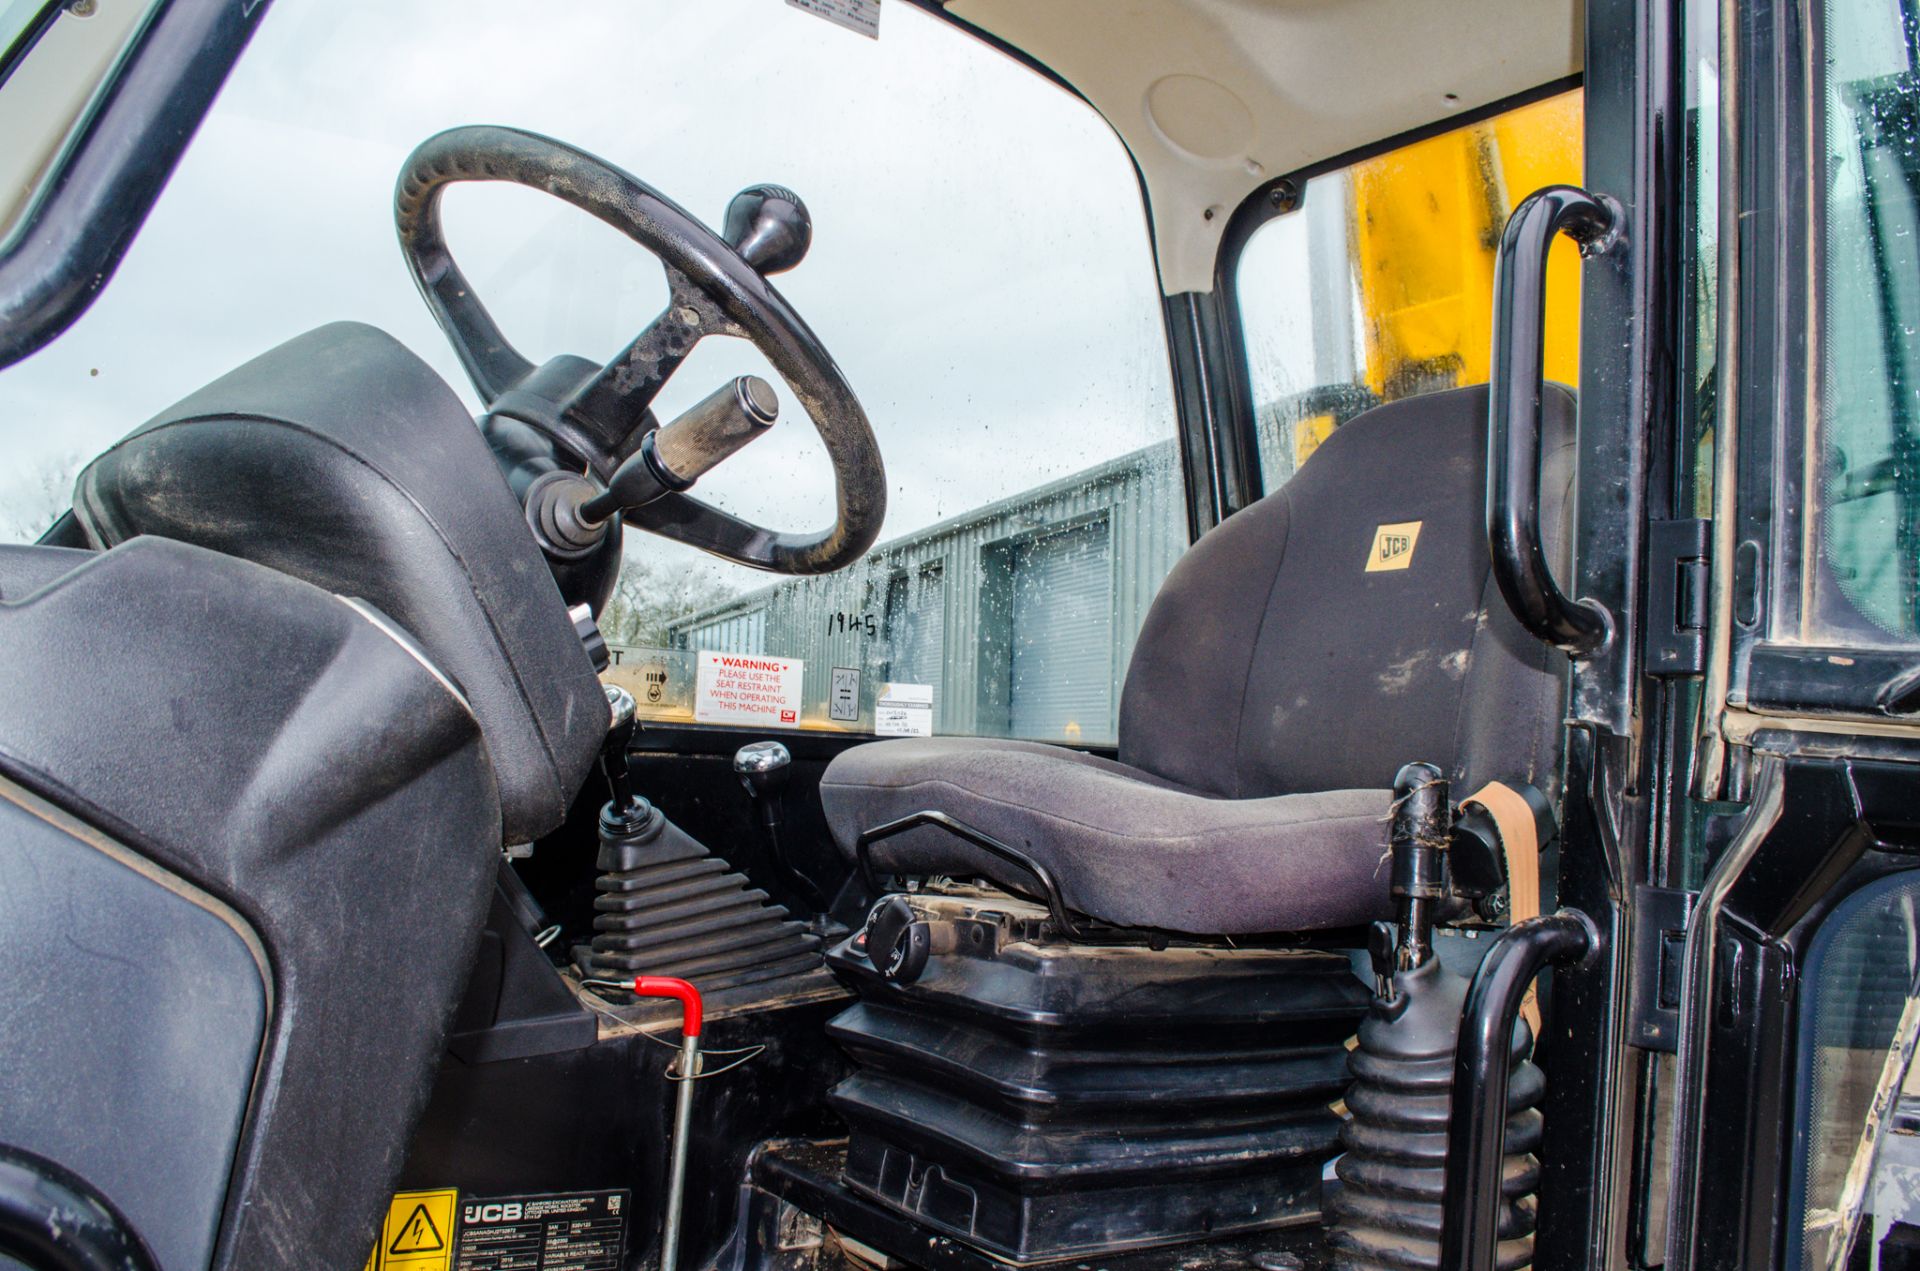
(651, 595)
(31, 503)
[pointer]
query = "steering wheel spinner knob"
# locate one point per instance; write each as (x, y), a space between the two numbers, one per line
(770, 227)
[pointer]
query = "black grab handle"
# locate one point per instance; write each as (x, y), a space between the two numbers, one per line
(51, 1219)
(1482, 1067)
(1518, 372)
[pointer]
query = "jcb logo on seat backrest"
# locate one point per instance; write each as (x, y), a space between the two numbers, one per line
(1393, 546)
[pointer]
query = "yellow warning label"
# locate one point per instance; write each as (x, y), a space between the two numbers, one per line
(418, 1233)
(1393, 546)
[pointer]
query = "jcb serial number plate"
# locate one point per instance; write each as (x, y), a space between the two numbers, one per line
(571, 1231)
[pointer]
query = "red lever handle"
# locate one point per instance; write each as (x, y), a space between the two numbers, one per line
(666, 986)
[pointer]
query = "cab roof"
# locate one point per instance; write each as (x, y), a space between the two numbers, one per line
(1214, 98)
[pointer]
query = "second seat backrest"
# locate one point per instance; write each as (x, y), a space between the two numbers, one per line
(1348, 623)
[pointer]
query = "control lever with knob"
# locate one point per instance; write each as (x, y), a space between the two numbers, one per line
(570, 515)
(769, 226)
(764, 768)
(613, 758)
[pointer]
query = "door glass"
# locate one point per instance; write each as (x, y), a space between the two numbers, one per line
(1699, 397)
(993, 305)
(1380, 285)
(1856, 1188)
(1865, 582)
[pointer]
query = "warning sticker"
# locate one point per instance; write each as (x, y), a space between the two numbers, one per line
(855, 15)
(735, 688)
(575, 1231)
(904, 710)
(418, 1233)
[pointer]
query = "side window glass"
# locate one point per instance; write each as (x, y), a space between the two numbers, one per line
(1853, 1197)
(1380, 285)
(1866, 554)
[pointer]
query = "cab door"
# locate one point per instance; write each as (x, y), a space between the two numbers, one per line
(1788, 914)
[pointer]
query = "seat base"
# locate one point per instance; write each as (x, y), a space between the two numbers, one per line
(1039, 1100)
(1127, 847)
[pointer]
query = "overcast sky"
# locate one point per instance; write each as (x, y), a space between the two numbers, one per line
(980, 266)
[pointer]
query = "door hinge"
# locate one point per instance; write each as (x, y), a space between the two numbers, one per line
(1677, 581)
(1659, 966)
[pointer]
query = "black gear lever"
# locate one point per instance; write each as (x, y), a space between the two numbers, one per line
(763, 768)
(613, 757)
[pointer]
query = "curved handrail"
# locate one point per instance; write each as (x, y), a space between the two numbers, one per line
(1517, 381)
(1482, 1067)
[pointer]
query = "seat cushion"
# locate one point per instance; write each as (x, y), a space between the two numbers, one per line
(1127, 847)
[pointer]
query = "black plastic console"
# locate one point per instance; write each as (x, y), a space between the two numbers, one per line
(1040, 1100)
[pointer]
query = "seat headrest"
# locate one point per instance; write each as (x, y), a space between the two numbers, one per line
(342, 459)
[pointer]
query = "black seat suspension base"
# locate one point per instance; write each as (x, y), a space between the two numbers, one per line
(1037, 1098)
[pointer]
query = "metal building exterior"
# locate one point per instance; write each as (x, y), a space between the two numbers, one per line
(1021, 614)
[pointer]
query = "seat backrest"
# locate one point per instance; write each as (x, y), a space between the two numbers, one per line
(247, 837)
(1348, 623)
(342, 459)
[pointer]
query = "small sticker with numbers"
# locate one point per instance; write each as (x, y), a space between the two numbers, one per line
(904, 710)
(855, 15)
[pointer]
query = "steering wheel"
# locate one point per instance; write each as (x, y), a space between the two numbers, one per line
(595, 421)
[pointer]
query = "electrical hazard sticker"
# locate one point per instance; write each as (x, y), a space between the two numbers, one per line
(418, 1233)
(560, 1231)
(1393, 546)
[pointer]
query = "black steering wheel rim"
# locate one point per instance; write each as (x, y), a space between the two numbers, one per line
(715, 292)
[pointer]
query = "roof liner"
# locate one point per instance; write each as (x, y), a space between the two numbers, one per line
(1215, 97)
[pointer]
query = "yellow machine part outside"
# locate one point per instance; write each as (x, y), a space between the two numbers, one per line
(1427, 220)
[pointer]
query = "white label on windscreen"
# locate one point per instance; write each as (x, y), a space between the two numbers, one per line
(748, 688)
(904, 710)
(855, 15)
(843, 699)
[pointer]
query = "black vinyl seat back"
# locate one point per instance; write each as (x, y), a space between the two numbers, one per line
(1349, 622)
(342, 459)
(248, 837)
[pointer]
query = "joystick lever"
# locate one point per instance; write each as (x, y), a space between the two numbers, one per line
(613, 751)
(763, 768)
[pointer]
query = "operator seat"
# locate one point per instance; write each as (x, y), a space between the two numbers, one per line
(1294, 659)
(351, 807)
